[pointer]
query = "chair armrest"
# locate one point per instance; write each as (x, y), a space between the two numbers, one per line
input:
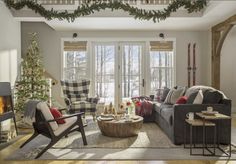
(93, 99)
(68, 116)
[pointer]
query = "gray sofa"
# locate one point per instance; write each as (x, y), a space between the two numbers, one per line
(171, 118)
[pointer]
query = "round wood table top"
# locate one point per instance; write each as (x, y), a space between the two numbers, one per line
(120, 128)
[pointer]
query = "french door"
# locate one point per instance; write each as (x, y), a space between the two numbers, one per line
(131, 70)
(105, 82)
(118, 70)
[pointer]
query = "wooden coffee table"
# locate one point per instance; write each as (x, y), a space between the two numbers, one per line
(120, 128)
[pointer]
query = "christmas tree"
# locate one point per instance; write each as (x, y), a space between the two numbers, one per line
(32, 83)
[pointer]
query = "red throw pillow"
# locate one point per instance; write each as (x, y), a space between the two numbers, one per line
(57, 114)
(182, 100)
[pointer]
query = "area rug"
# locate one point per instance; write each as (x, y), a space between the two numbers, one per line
(150, 136)
(150, 144)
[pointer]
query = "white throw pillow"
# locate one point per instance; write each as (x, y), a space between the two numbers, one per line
(43, 107)
(173, 95)
(199, 98)
(168, 97)
(176, 94)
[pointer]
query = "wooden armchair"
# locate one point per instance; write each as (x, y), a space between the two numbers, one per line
(46, 125)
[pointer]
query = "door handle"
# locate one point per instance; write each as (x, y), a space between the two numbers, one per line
(143, 82)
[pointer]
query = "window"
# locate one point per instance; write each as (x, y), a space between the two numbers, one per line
(120, 70)
(105, 72)
(75, 60)
(161, 66)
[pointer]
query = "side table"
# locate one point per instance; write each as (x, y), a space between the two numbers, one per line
(216, 117)
(198, 123)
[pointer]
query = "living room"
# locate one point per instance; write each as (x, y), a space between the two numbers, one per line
(121, 57)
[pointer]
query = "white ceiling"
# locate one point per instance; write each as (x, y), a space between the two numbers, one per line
(216, 12)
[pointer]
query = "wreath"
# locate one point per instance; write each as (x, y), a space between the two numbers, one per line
(89, 8)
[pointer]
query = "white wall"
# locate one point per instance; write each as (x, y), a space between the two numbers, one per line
(50, 44)
(228, 69)
(10, 45)
(10, 50)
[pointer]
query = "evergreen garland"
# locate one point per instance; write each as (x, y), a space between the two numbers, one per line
(87, 9)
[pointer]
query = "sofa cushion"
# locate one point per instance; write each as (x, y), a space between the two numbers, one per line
(165, 93)
(177, 93)
(192, 97)
(157, 107)
(168, 97)
(173, 95)
(212, 97)
(199, 98)
(166, 113)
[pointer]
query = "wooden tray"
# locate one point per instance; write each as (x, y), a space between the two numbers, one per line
(106, 118)
(210, 113)
(107, 115)
(135, 117)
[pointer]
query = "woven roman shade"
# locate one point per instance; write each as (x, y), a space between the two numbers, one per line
(161, 46)
(75, 46)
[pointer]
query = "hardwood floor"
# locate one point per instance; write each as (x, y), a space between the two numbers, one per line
(10, 149)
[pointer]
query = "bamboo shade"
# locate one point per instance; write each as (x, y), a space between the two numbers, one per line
(161, 46)
(75, 46)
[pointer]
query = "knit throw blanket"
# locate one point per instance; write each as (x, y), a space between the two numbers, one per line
(143, 107)
(30, 110)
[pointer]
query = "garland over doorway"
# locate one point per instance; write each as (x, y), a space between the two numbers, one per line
(87, 9)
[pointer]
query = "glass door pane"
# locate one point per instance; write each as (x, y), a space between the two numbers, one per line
(105, 72)
(131, 70)
(75, 65)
